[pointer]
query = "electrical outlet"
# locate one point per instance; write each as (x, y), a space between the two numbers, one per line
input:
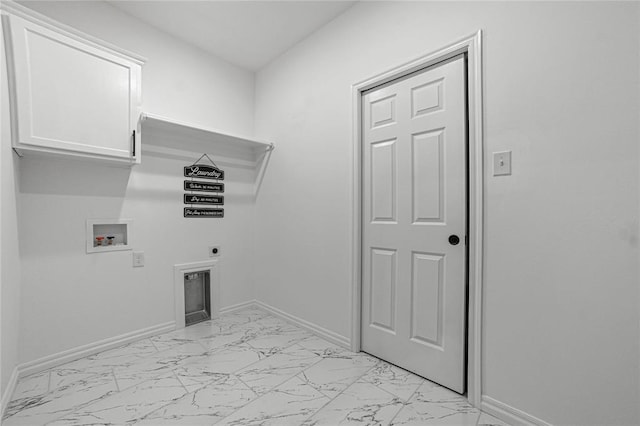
(214, 251)
(138, 259)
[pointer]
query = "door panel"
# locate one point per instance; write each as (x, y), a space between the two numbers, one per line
(427, 177)
(414, 198)
(427, 98)
(383, 111)
(383, 181)
(87, 77)
(383, 289)
(426, 298)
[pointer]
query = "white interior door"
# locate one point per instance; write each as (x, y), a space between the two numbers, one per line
(414, 203)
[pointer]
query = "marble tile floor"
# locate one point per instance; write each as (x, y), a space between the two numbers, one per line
(245, 368)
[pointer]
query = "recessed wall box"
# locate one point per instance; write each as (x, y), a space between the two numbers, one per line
(108, 235)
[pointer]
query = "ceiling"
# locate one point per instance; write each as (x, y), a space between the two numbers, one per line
(248, 34)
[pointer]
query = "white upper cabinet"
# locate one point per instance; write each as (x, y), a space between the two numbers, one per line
(71, 95)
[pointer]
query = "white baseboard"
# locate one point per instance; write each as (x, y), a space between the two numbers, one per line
(238, 307)
(509, 414)
(8, 391)
(63, 357)
(329, 335)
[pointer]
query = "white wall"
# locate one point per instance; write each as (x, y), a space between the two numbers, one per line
(70, 298)
(9, 254)
(561, 326)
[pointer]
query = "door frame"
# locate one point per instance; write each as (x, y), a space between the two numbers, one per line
(472, 47)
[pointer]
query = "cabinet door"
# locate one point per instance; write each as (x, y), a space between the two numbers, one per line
(72, 96)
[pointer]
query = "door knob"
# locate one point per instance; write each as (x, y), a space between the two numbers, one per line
(454, 240)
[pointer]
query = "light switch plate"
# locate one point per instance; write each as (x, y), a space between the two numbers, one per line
(502, 163)
(138, 259)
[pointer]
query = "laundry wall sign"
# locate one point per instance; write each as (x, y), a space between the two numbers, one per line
(198, 186)
(203, 171)
(196, 196)
(203, 212)
(203, 199)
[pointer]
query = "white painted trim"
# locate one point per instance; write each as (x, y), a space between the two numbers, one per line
(476, 217)
(509, 414)
(472, 47)
(73, 354)
(8, 392)
(326, 334)
(238, 307)
(13, 8)
(178, 286)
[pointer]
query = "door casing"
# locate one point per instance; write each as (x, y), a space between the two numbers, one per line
(472, 47)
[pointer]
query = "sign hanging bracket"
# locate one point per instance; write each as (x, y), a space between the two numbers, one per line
(208, 158)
